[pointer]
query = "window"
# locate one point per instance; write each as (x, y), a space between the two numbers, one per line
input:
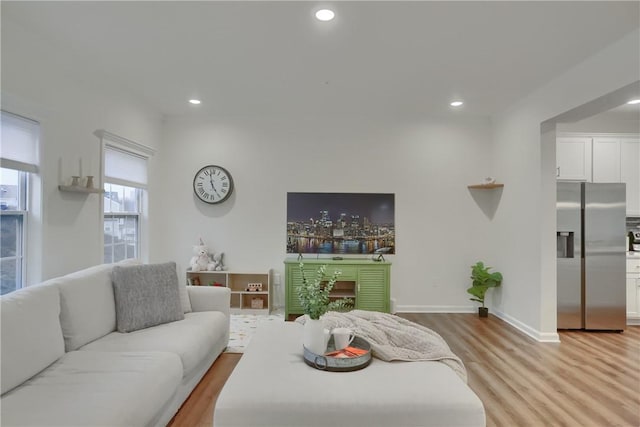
(125, 182)
(13, 214)
(18, 158)
(121, 222)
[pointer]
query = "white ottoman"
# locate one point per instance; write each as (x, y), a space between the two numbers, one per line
(272, 386)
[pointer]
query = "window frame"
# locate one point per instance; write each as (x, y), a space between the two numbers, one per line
(115, 142)
(23, 213)
(22, 151)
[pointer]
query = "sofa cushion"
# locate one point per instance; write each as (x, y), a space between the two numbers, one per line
(193, 339)
(86, 388)
(87, 304)
(31, 333)
(184, 298)
(146, 295)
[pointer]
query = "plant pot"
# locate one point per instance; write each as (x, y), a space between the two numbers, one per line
(315, 336)
(483, 312)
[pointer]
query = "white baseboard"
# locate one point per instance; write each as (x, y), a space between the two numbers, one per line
(633, 321)
(525, 329)
(436, 309)
(528, 330)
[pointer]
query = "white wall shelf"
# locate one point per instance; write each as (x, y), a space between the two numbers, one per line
(79, 189)
(485, 186)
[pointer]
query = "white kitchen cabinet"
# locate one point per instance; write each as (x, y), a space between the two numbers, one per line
(633, 294)
(573, 158)
(602, 158)
(630, 173)
(606, 160)
(633, 291)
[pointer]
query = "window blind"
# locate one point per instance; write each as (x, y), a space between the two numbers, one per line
(19, 138)
(124, 168)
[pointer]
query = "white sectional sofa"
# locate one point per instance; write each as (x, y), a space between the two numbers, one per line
(64, 363)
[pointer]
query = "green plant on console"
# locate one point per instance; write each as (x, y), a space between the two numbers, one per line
(314, 295)
(482, 280)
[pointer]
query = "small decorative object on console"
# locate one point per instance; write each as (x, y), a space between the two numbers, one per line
(380, 252)
(254, 287)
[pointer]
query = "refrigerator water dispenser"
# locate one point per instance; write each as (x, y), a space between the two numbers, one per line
(565, 244)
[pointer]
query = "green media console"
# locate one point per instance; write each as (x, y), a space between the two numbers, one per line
(363, 280)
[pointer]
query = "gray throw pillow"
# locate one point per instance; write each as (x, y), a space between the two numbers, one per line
(146, 295)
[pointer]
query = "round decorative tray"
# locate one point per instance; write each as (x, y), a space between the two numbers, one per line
(327, 362)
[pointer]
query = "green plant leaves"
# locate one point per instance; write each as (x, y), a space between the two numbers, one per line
(482, 280)
(314, 296)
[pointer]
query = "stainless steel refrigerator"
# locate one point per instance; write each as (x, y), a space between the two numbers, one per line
(591, 256)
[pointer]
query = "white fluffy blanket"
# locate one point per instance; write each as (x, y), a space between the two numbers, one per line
(394, 338)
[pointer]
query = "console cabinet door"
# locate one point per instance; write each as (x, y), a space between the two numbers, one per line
(372, 292)
(294, 281)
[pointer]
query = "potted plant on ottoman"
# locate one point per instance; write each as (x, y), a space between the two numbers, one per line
(482, 280)
(314, 298)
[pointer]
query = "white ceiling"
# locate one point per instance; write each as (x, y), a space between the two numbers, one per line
(374, 57)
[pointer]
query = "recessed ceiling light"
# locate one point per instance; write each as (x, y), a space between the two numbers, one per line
(634, 101)
(325, 15)
(194, 101)
(456, 103)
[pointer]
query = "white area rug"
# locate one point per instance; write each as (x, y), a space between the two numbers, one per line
(243, 326)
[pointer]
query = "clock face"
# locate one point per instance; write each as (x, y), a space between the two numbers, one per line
(213, 184)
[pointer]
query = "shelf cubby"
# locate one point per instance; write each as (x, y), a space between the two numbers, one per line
(238, 283)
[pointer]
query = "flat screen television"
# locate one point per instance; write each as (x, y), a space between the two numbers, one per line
(340, 223)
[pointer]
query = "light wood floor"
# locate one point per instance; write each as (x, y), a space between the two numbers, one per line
(589, 379)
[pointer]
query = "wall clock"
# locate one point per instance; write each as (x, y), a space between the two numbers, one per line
(213, 184)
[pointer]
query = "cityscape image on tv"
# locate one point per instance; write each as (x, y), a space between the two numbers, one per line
(340, 223)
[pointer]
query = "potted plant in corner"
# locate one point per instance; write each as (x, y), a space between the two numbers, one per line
(315, 299)
(482, 280)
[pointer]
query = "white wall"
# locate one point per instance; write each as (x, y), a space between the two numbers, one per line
(524, 227)
(441, 230)
(602, 123)
(39, 82)
(443, 227)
